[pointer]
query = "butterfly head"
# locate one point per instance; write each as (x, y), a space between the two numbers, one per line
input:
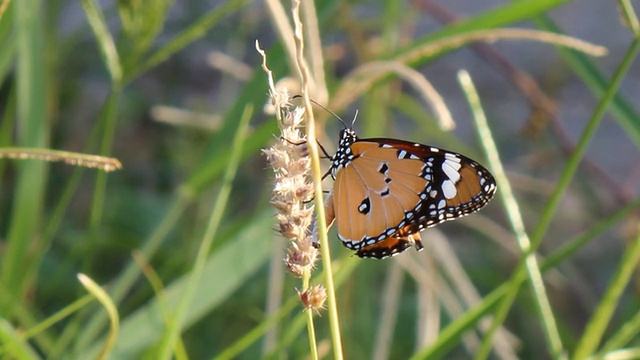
(343, 155)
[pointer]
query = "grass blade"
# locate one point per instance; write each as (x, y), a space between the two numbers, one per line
(214, 222)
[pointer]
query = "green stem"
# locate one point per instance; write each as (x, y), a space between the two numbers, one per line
(517, 225)
(450, 335)
(174, 331)
(603, 313)
(575, 158)
(569, 171)
(27, 198)
(314, 153)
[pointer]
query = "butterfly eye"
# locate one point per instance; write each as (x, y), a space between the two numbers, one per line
(386, 191)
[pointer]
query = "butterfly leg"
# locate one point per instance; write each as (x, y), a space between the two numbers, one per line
(324, 151)
(415, 239)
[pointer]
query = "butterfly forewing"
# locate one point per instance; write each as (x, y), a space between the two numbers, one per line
(381, 202)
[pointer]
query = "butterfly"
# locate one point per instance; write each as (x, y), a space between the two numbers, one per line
(386, 191)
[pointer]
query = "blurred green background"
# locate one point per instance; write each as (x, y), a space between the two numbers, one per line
(162, 86)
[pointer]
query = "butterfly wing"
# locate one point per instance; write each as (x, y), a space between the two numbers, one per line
(393, 245)
(389, 189)
(458, 185)
(376, 194)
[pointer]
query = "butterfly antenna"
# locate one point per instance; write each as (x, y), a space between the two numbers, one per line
(327, 110)
(353, 122)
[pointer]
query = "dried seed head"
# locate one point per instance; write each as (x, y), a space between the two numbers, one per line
(292, 188)
(313, 298)
(301, 257)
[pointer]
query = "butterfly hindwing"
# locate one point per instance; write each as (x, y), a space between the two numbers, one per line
(393, 245)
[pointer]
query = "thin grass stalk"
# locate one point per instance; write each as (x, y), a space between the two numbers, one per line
(311, 335)
(195, 31)
(132, 272)
(454, 331)
(110, 117)
(389, 312)
(348, 263)
(319, 194)
(32, 131)
(314, 53)
(275, 289)
(57, 317)
(604, 311)
(158, 289)
(591, 74)
(574, 160)
(517, 225)
(13, 347)
(294, 330)
(100, 295)
(311, 332)
(452, 269)
(626, 333)
(55, 218)
(278, 16)
(111, 59)
(630, 16)
(105, 40)
(353, 85)
(168, 344)
(236, 348)
(585, 139)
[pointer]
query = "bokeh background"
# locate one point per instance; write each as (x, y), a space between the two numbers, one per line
(188, 71)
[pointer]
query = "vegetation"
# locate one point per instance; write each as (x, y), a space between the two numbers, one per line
(135, 220)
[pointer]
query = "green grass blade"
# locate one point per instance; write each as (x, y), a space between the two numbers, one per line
(101, 295)
(451, 335)
(210, 170)
(175, 330)
(105, 40)
(12, 346)
(502, 15)
(627, 333)
(142, 21)
(581, 146)
(245, 255)
(195, 31)
(517, 224)
(110, 113)
(232, 351)
(603, 313)
(129, 276)
(32, 131)
(588, 72)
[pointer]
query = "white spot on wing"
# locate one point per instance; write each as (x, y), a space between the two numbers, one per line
(451, 169)
(451, 172)
(452, 157)
(449, 189)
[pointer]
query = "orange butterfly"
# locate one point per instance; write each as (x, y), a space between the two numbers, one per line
(386, 191)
